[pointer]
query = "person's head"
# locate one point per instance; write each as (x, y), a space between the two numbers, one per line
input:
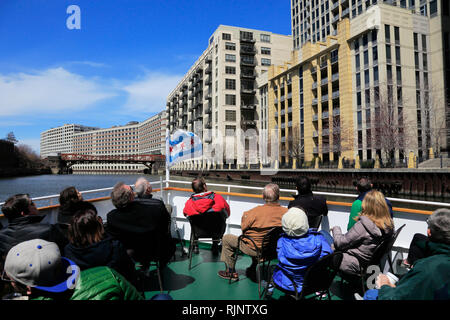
(439, 226)
(19, 205)
(121, 195)
(303, 185)
(271, 193)
(199, 185)
(295, 222)
(142, 186)
(86, 228)
(37, 265)
(364, 185)
(69, 196)
(375, 208)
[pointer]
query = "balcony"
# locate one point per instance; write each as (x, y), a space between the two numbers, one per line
(314, 85)
(315, 117)
(247, 122)
(325, 115)
(248, 40)
(248, 50)
(208, 70)
(208, 125)
(248, 75)
(248, 90)
(345, 12)
(314, 101)
(315, 134)
(249, 63)
(315, 149)
(325, 132)
(324, 98)
(324, 81)
(336, 112)
(248, 106)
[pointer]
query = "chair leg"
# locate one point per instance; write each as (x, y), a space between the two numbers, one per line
(191, 248)
(258, 278)
(159, 277)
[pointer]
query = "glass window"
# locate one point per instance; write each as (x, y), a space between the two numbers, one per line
(265, 50)
(230, 57)
(265, 62)
(230, 46)
(230, 70)
(265, 38)
(226, 36)
(230, 99)
(230, 115)
(387, 33)
(230, 84)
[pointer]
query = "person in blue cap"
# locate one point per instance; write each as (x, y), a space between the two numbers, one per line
(37, 271)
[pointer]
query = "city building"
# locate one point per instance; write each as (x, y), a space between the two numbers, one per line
(369, 78)
(59, 140)
(218, 95)
(134, 138)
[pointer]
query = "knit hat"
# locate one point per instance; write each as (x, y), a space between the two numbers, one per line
(295, 222)
(38, 263)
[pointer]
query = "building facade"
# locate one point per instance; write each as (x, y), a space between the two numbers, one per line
(370, 78)
(60, 139)
(218, 96)
(134, 138)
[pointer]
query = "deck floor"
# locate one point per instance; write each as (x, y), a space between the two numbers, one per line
(203, 283)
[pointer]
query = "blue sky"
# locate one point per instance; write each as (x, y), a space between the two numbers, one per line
(120, 66)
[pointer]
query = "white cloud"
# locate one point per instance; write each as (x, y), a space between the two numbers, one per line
(48, 92)
(150, 93)
(88, 63)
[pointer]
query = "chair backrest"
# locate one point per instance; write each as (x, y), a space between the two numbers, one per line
(208, 225)
(314, 221)
(320, 275)
(269, 243)
(380, 251)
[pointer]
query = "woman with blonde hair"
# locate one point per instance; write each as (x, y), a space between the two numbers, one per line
(373, 226)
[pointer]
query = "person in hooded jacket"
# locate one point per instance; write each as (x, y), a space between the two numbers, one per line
(298, 248)
(359, 243)
(91, 247)
(204, 202)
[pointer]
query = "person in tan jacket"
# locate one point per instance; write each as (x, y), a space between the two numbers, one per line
(255, 223)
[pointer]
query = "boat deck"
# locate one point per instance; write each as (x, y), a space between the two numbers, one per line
(203, 283)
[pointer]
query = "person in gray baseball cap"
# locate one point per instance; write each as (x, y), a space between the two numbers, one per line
(36, 269)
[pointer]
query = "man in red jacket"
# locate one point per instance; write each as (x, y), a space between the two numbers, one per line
(208, 205)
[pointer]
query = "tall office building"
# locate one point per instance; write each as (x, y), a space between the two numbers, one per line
(59, 140)
(218, 95)
(368, 78)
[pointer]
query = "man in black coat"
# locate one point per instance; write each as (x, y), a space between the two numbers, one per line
(315, 206)
(142, 228)
(24, 223)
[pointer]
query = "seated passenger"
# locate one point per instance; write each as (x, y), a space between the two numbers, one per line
(255, 223)
(68, 198)
(359, 243)
(298, 248)
(363, 186)
(24, 223)
(143, 192)
(430, 277)
(38, 272)
(204, 202)
(144, 235)
(90, 247)
(314, 206)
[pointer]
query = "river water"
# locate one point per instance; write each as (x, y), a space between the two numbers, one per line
(46, 185)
